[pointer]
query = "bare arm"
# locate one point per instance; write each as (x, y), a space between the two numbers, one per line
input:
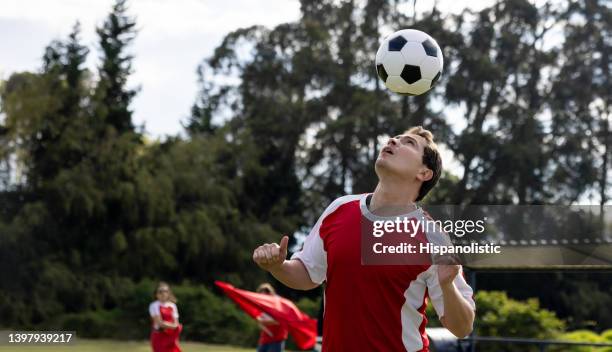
(458, 313)
(164, 324)
(266, 320)
(292, 273)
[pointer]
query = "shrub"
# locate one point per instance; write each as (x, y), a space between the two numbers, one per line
(583, 336)
(100, 324)
(211, 318)
(607, 335)
(498, 315)
(309, 306)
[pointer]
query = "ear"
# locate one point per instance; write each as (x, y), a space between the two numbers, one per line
(424, 175)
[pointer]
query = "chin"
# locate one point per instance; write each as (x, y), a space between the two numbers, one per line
(379, 163)
(386, 167)
(382, 165)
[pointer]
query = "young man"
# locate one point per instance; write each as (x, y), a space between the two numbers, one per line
(376, 307)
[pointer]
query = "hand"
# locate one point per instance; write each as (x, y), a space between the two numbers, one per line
(271, 255)
(165, 325)
(447, 273)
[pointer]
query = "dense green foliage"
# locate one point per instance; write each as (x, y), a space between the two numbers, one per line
(585, 336)
(91, 212)
(498, 315)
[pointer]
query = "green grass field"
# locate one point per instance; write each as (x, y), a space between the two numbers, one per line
(117, 346)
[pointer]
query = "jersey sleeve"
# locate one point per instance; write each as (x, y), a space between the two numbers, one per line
(313, 254)
(154, 309)
(435, 291)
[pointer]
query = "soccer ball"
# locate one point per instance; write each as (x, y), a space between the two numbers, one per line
(409, 62)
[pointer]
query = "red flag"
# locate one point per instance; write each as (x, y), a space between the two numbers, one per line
(302, 328)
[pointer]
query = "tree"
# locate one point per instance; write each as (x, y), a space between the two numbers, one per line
(581, 117)
(115, 36)
(47, 131)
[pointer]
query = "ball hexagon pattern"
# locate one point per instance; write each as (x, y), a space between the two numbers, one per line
(396, 43)
(411, 74)
(409, 62)
(382, 73)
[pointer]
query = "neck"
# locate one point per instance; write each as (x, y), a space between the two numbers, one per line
(393, 199)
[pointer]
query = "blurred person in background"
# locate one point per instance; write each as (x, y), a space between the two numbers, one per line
(273, 334)
(164, 320)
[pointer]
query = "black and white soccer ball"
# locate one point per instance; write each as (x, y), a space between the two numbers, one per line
(409, 62)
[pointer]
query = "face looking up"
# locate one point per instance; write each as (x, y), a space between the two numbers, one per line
(402, 157)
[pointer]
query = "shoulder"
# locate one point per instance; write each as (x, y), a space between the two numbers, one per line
(426, 215)
(338, 202)
(347, 199)
(154, 308)
(434, 230)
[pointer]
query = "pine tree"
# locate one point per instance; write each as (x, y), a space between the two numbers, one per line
(48, 129)
(115, 35)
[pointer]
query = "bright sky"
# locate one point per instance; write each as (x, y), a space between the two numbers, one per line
(174, 36)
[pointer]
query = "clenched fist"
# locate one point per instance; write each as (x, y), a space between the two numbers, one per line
(447, 274)
(448, 268)
(271, 255)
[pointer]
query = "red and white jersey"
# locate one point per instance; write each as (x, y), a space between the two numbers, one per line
(369, 307)
(158, 308)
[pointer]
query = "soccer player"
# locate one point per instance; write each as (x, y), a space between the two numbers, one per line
(376, 307)
(164, 320)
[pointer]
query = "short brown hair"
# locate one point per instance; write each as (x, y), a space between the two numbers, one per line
(431, 159)
(266, 288)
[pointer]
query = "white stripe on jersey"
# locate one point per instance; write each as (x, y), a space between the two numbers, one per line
(411, 318)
